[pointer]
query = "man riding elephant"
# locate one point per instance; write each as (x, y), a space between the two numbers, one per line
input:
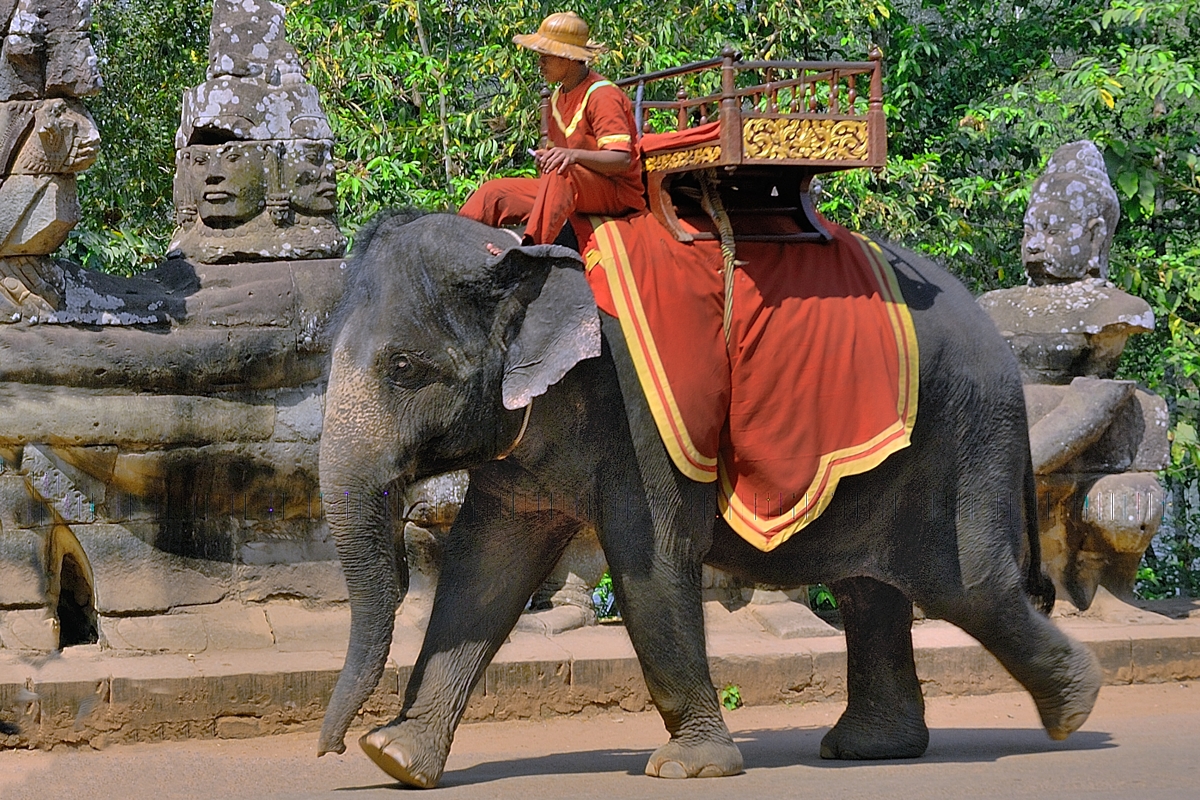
(592, 165)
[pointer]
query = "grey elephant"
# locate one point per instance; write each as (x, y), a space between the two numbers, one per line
(437, 341)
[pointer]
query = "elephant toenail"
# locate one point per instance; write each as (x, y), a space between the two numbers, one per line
(672, 769)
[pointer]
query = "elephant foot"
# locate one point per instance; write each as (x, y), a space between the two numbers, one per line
(395, 749)
(1066, 710)
(704, 760)
(865, 736)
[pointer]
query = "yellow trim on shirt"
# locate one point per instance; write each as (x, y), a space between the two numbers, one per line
(616, 138)
(562, 126)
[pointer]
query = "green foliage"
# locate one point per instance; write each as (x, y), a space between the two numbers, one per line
(820, 598)
(731, 697)
(150, 51)
(604, 600)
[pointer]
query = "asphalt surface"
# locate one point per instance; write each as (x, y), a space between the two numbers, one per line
(1141, 742)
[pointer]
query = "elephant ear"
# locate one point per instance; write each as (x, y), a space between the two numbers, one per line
(561, 326)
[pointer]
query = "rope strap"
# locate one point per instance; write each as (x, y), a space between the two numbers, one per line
(711, 201)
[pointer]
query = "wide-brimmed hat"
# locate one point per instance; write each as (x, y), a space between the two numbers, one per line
(565, 35)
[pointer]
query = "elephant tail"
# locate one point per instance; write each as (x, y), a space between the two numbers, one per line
(1037, 582)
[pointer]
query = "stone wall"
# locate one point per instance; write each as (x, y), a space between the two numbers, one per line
(148, 469)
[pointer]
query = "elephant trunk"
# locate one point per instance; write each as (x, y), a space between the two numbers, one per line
(376, 578)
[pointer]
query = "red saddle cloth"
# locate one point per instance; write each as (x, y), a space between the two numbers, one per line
(818, 380)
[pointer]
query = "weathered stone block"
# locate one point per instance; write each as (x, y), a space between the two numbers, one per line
(18, 508)
(604, 681)
(961, 670)
(72, 493)
(553, 621)
(765, 679)
(1136, 434)
(1059, 331)
(233, 626)
(77, 417)
(299, 414)
(269, 489)
(233, 296)
(1158, 660)
(1154, 449)
(319, 286)
(189, 358)
(791, 620)
(29, 629)
(523, 689)
(434, 502)
(133, 577)
(302, 629)
(36, 213)
(22, 574)
(238, 727)
(311, 580)
(168, 633)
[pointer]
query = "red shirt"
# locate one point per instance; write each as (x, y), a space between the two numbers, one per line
(596, 115)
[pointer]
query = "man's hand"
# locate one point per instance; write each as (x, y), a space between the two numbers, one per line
(559, 159)
(556, 159)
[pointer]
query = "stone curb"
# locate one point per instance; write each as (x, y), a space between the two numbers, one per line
(86, 697)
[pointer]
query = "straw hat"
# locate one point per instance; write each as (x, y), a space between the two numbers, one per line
(565, 35)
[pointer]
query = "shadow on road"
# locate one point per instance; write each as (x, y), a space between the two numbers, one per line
(774, 748)
(785, 748)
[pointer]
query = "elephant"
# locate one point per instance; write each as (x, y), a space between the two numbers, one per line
(441, 346)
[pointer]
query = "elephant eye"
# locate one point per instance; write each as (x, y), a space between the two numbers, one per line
(409, 370)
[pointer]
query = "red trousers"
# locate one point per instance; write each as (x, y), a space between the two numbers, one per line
(544, 203)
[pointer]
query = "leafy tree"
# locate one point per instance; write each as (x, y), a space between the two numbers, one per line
(150, 51)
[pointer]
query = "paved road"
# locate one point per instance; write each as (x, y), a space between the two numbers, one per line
(1142, 742)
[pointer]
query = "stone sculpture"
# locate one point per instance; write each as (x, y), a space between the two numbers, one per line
(46, 138)
(1096, 442)
(254, 176)
(165, 461)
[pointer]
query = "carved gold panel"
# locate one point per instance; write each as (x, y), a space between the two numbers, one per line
(683, 158)
(825, 139)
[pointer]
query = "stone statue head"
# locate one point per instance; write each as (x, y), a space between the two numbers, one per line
(1072, 215)
(227, 182)
(307, 172)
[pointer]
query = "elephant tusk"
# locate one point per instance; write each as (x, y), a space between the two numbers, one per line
(520, 434)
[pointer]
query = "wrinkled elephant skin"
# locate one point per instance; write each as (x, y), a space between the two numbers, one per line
(439, 348)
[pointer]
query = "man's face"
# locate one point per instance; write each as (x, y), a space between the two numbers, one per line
(556, 69)
(229, 182)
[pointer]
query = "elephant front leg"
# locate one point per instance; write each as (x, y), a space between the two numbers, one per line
(493, 563)
(885, 712)
(656, 527)
(656, 569)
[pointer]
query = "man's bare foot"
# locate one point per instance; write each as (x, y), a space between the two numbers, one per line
(492, 249)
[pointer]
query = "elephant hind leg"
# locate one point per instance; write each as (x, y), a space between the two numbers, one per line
(885, 712)
(1061, 674)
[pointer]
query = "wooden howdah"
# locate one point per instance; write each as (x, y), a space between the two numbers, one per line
(780, 123)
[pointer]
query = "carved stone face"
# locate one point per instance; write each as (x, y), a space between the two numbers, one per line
(307, 172)
(228, 182)
(1073, 213)
(1060, 244)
